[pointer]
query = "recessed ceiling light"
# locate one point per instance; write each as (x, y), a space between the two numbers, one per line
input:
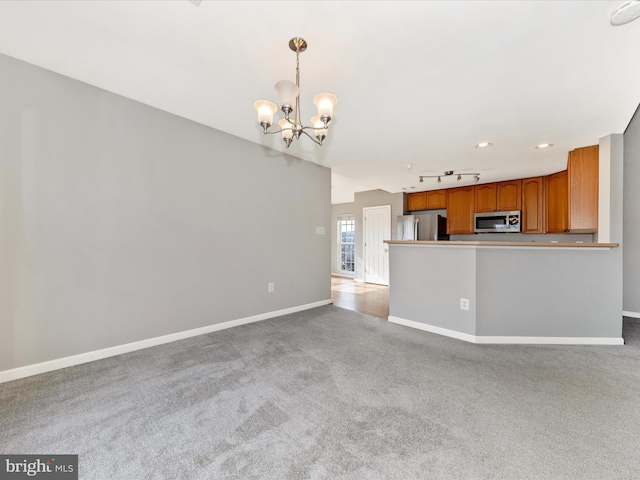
(542, 146)
(484, 145)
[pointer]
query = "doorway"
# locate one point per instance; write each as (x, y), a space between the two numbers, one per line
(360, 297)
(376, 229)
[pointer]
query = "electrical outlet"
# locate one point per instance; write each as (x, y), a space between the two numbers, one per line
(271, 287)
(464, 304)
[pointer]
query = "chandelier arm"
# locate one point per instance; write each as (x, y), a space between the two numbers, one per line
(313, 128)
(312, 139)
(268, 132)
(277, 131)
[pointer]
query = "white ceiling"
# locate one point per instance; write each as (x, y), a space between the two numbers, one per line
(417, 83)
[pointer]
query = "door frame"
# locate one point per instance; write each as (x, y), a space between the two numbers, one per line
(364, 238)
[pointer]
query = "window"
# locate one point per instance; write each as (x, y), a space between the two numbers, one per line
(346, 243)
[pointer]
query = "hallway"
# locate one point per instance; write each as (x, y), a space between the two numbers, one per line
(361, 297)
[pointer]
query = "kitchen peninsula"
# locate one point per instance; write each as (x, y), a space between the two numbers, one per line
(507, 292)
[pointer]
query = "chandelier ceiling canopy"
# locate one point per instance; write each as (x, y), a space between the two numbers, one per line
(289, 101)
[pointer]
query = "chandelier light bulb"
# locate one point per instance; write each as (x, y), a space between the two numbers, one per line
(325, 103)
(319, 129)
(287, 131)
(287, 93)
(265, 110)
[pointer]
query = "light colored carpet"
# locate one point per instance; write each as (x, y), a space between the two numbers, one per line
(330, 393)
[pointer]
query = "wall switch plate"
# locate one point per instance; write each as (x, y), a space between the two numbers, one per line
(270, 287)
(319, 230)
(464, 304)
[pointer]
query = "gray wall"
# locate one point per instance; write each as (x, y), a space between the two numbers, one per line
(549, 292)
(120, 222)
(374, 198)
(427, 283)
(337, 210)
(517, 291)
(632, 216)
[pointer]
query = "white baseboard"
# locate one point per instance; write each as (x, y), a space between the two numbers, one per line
(65, 362)
(509, 340)
(631, 314)
(432, 329)
(550, 340)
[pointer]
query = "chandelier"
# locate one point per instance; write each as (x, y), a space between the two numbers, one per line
(289, 100)
(449, 173)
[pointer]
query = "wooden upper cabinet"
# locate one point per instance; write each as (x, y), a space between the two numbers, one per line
(432, 200)
(509, 195)
(572, 195)
(582, 169)
(460, 209)
(532, 205)
(556, 191)
(416, 201)
(485, 197)
(436, 199)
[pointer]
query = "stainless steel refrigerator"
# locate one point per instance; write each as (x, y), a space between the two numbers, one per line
(425, 226)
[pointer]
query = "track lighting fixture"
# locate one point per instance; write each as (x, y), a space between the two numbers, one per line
(449, 173)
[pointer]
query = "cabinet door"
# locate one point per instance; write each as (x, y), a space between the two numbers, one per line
(582, 169)
(460, 208)
(436, 199)
(532, 202)
(416, 201)
(556, 189)
(485, 197)
(509, 195)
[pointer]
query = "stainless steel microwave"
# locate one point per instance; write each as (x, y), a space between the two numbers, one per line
(498, 222)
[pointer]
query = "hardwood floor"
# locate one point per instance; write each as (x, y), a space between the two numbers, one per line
(361, 297)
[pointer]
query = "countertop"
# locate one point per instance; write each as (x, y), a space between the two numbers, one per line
(503, 244)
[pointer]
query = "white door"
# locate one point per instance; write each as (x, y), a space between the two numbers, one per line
(377, 228)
